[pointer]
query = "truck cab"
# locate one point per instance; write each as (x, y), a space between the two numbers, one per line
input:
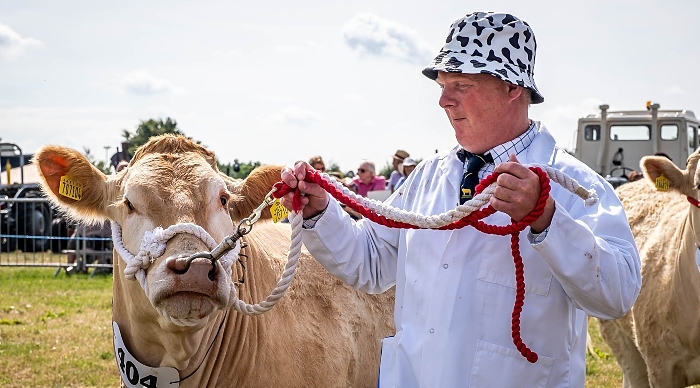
(25, 216)
(613, 142)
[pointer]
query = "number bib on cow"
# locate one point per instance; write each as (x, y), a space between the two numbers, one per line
(136, 374)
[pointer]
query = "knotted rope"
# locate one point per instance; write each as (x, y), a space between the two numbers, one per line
(153, 246)
(470, 213)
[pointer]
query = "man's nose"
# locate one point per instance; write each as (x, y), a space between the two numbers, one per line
(446, 100)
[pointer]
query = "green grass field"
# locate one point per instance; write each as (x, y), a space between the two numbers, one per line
(56, 332)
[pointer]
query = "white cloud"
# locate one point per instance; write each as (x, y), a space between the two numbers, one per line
(143, 83)
(295, 116)
(371, 35)
(12, 44)
(308, 46)
(676, 90)
(300, 116)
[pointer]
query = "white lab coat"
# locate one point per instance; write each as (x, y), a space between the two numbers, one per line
(455, 289)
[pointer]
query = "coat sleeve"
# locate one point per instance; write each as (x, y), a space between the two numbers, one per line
(592, 253)
(351, 250)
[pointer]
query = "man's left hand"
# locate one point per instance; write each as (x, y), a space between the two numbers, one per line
(517, 193)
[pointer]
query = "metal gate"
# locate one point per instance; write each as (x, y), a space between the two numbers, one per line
(33, 234)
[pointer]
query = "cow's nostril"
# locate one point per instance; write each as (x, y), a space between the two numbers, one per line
(178, 266)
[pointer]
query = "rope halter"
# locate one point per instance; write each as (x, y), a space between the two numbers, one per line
(153, 246)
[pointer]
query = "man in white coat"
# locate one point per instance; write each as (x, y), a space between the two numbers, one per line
(455, 289)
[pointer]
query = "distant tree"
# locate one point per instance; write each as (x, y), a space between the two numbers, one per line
(386, 170)
(335, 168)
(149, 128)
(101, 165)
(238, 170)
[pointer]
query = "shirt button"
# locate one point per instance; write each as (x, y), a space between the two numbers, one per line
(432, 331)
(445, 266)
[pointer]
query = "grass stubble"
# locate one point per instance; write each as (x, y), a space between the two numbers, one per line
(56, 332)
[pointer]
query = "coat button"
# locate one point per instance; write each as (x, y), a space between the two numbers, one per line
(445, 266)
(432, 331)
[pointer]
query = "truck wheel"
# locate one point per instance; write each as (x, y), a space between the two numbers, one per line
(34, 220)
(59, 228)
(7, 244)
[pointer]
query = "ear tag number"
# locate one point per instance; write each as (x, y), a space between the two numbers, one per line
(661, 183)
(70, 189)
(278, 211)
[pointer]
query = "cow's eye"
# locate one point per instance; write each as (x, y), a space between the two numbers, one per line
(224, 200)
(128, 205)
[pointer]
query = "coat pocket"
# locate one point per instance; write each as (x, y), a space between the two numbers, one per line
(498, 366)
(538, 276)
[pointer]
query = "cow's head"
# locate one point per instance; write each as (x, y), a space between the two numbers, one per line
(684, 181)
(169, 203)
(661, 171)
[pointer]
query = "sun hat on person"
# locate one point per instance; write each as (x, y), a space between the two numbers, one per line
(499, 44)
(406, 163)
(400, 155)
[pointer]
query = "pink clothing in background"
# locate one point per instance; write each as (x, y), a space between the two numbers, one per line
(377, 183)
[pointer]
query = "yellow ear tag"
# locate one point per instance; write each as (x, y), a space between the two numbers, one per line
(70, 189)
(661, 183)
(278, 211)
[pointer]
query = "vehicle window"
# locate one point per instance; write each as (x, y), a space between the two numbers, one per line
(669, 132)
(630, 132)
(592, 132)
(692, 139)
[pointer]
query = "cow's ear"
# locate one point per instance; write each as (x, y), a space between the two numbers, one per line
(656, 166)
(251, 192)
(71, 182)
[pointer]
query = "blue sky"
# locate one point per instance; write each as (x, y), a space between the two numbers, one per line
(278, 81)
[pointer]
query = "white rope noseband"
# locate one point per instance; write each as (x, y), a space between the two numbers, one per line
(153, 246)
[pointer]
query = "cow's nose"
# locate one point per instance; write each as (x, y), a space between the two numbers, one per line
(200, 261)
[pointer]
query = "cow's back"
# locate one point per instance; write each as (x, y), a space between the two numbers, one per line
(654, 216)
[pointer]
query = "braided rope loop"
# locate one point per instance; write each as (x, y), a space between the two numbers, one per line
(470, 213)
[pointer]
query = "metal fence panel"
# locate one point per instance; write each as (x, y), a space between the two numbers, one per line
(33, 234)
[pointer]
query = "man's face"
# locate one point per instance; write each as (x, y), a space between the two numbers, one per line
(476, 105)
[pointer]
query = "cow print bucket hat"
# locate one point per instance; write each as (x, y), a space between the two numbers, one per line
(493, 43)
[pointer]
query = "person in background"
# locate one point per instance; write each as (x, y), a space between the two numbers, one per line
(121, 165)
(317, 163)
(455, 289)
(339, 177)
(405, 168)
(399, 156)
(367, 180)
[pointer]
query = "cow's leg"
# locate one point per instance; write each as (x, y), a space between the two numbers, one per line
(634, 369)
(663, 373)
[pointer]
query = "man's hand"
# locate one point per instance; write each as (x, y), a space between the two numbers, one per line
(314, 198)
(517, 193)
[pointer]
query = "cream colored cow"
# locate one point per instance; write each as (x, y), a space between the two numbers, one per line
(176, 325)
(657, 344)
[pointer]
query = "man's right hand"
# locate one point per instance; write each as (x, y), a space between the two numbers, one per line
(314, 198)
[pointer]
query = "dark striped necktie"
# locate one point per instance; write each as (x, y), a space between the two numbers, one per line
(471, 177)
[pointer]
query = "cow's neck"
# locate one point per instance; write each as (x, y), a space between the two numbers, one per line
(235, 346)
(152, 339)
(686, 283)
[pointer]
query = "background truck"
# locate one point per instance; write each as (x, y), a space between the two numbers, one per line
(613, 142)
(25, 217)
